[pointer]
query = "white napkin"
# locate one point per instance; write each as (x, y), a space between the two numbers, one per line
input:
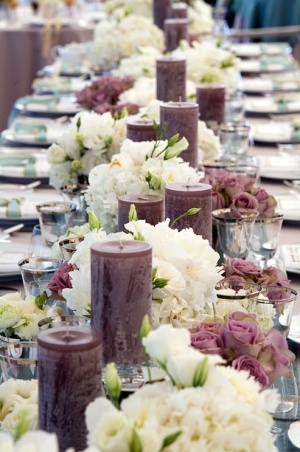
(289, 206)
(42, 168)
(245, 49)
(65, 104)
(291, 258)
(261, 104)
(53, 132)
(27, 209)
(257, 84)
(249, 66)
(277, 166)
(272, 131)
(9, 262)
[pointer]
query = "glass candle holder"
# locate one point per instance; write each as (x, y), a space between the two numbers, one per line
(234, 295)
(265, 238)
(64, 320)
(18, 360)
(68, 246)
(55, 219)
(234, 138)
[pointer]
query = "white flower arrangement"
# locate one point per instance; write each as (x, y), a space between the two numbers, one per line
(207, 63)
(114, 40)
(19, 318)
(200, 17)
(91, 139)
(200, 405)
(185, 272)
(141, 63)
(121, 8)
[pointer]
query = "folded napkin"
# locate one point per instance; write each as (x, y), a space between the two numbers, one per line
(9, 262)
(21, 165)
(278, 166)
(289, 206)
(32, 133)
(257, 84)
(50, 104)
(273, 131)
(245, 49)
(291, 258)
(17, 208)
(261, 104)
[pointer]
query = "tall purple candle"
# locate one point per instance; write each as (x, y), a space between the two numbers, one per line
(161, 11)
(180, 197)
(175, 30)
(182, 118)
(69, 368)
(140, 129)
(211, 101)
(148, 207)
(170, 79)
(179, 11)
(121, 276)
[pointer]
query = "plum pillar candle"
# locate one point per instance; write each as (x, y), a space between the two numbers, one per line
(69, 367)
(161, 11)
(179, 11)
(170, 79)
(180, 197)
(175, 31)
(211, 101)
(121, 297)
(140, 129)
(148, 207)
(182, 118)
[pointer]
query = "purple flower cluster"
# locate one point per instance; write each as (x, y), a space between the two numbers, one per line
(243, 346)
(103, 94)
(240, 270)
(239, 191)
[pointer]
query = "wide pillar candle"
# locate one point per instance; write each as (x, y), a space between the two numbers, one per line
(161, 11)
(211, 101)
(121, 277)
(180, 197)
(170, 79)
(175, 30)
(179, 11)
(182, 118)
(140, 129)
(148, 207)
(69, 368)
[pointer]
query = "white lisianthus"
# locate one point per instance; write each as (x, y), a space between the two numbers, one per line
(37, 441)
(29, 329)
(56, 154)
(10, 313)
(21, 411)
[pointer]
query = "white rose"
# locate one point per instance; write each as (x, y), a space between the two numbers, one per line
(10, 313)
(29, 328)
(165, 342)
(182, 367)
(56, 154)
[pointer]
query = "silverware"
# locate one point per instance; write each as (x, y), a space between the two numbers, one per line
(31, 185)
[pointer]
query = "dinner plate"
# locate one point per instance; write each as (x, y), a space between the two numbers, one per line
(10, 255)
(33, 132)
(54, 104)
(294, 333)
(290, 255)
(248, 50)
(289, 206)
(279, 167)
(273, 104)
(267, 65)
(275, 132)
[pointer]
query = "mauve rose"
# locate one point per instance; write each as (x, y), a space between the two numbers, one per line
(274, 362)
(251, 365)
(266, 203)
(218, 201)
(207, 342)
(273, 276)
(61, 278)
(239, 267)
(231, 186)
(207, 326)
(244, 316)
(246, 181)
(235, 333)
(244, 200)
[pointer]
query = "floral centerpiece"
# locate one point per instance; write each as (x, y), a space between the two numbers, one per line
(91, 139)
(184, 272)
(139, 168)
(239, 191)
(114, 39)
(244, 346)
(103, 95)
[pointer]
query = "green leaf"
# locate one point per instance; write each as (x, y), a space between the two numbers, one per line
(93, 221)
(191, 211)
(136, 443)
(113, 384)
(200, 375)
(78, 123)
(159, 283)
(41, 299)
(170, 439)
(154, 272)
(22, 427)
(145, 327)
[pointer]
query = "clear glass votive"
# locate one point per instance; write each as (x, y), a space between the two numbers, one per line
(75, 193)
(234, 138)
(234, 231)
(234, 295)
(18, 360)
(68, 246)
(234, 106)
(37, 272)
(265, 238)
(275, 307)
(55, 219)
(38, 245)
(64, 320)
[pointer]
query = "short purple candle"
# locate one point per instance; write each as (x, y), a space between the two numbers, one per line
(182, 118)
(148, 207)
(179, 11)
(161, 11)
(69, 368)
(211, 101)
(180, 197)
(140, 129)
(175, 31)
(170, 79)
(121, 277)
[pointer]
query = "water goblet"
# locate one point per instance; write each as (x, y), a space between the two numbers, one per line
(234, 231)
(68, 246)
(55, 219)
(76, 194)
(265, 238)
(234, 138)
(36, 273)
(37, 245)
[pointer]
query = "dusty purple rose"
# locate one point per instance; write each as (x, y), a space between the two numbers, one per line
(266, 203)
(61, 278)
(236, 333)
(218, 201)
(207, 342)
(238, 267)
(244, 200)
(207, 326)
(273, 276)
(254, 368)
(244, 316)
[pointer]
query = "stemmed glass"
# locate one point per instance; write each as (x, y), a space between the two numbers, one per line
(265, 238)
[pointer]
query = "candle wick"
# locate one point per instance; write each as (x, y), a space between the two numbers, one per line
(67, 337)
(180, 98)
(121, 244)
(143, 198)
(188, 183)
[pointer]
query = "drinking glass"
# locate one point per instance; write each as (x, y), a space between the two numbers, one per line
(265, 238)
(36, 273)
(37, 245)
(234, 231)
(234, 138)
(288, 389)
(233, 295)
(64, 320)
(18, 360)
(76, 194)
(55, 219)
(234, 106)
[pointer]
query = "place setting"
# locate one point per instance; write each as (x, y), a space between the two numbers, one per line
(276, 104)
(24, 169)
(268, 65)
(278, 167)
(271, 83)
(58, 85)
(252, 50)
(54, 104)
(276, 132)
